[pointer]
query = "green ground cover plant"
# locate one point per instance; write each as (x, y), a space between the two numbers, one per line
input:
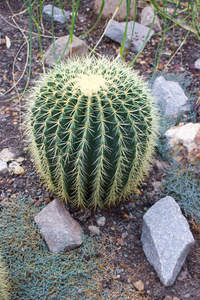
(34, 272)
(4, 285)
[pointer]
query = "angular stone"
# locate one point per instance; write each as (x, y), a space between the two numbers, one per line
(139, 285)
(6, 155)
(115, 31)
(3, 166)
(79, 48)
(197, 64)
(170, 97)
(185, 139)
(110, 7)
(60, 231)
(166, 239)
(147, 17)
(57, 14)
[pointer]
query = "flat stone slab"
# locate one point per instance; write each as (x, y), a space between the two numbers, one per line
(59, 230)
(169, 96)
(79, 48)
(115, 31)
(166, 239)
(57, 14)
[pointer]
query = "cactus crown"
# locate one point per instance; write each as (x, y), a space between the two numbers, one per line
(92, 129)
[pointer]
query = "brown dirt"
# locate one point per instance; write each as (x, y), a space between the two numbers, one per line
(126, 262)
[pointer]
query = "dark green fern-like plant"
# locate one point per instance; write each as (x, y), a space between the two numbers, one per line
(4, 295)
(92, 129)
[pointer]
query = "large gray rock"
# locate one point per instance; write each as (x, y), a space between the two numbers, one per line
(110, 7)
(115, 31)
(79, 48)
(166, 239)
(197, 64)
(57, 14)
(147, 17)
(60, 231)
(170, 97)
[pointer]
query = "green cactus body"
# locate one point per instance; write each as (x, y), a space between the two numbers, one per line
(4, 295)
(92, 130)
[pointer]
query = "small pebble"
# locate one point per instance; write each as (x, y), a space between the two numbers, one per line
(47, 200)
(80, 291)
(39, 202)
(101, 221)
(167, 297)
(94, 229)
(18, 170)
(139, 285)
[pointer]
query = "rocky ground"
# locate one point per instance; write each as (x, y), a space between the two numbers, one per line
(125, 260)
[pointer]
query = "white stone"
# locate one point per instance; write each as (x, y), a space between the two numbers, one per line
(6, 155)
(57, 14)
(79, 48)
(115, 31)
(3, 166)
(197, 64)
(110, 7)
(185, 137)
(13, 165)
(166, 239)
(60, 231)
(147, 17)
(170, 97)
(101, 221)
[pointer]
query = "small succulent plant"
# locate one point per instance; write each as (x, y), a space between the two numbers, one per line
(92, 129)
(3, 281)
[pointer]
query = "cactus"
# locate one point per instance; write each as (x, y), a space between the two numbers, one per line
(92, 129)
(3, 282)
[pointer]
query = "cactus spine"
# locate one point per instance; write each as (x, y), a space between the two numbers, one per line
(3, 282)
(92, 129)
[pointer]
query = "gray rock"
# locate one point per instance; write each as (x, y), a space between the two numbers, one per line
(170, 97)
(7, 155)
(166, 239)
(115, 31)
(101, 221)
(197, 64)
(57, 14)
(79, 48)
(110, 7)
(147, 17)
(60, 231)
(3, 166)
